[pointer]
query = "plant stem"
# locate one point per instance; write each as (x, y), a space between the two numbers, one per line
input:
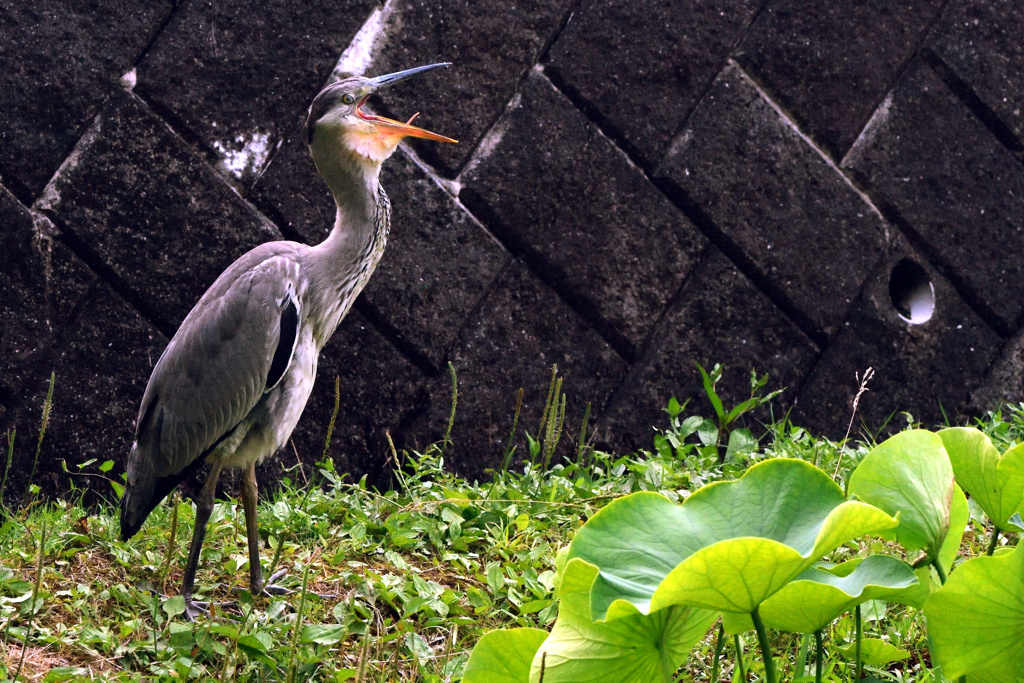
(171, 542)
(455, 402)
(858, 620)
(939, 570)
(298, 624)
(334, 417)
(35, 594)
(995, 541)
(818, 657)
(510, 444)
(719, 644)
(277, 552)
(10, 456)
(766, 652)
(47, 405)
(581, 446)
(739, 658)
(364, 652)
(800, 667)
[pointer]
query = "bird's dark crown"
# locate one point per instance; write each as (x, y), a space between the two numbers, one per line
(345, 92)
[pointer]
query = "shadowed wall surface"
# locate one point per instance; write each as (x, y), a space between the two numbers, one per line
(639, 186)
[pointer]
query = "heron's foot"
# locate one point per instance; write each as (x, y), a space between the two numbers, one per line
(271, 588)
(198, 608)
(268, 588)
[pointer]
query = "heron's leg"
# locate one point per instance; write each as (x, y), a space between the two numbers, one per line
(204, 506)
(248, 494)
(249, 499)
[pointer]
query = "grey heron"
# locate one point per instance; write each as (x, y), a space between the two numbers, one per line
(232, 383)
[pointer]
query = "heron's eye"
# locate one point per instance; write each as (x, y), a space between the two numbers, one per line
(348, 98)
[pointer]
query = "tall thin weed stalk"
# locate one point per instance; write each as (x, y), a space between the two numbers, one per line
(293, 667)
(47, 404)
(455, 402)
(582, 446)
(334, 417)
(169, 555)
(510, 445)
(868, 374)
(552, 420)
(35, 594)
(7, 468)
(327, 441)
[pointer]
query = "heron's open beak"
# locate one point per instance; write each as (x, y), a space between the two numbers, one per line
(386, 126)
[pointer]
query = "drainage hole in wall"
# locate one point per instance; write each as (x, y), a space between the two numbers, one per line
(912, 293)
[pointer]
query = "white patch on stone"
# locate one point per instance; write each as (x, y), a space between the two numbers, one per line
(44, 234)
(871, 128)
(245, 154)
(358, 57)
(492, 138)
(129, 79)
(50, 197)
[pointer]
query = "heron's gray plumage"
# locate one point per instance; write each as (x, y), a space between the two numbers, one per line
(232, 383)
(214, 371)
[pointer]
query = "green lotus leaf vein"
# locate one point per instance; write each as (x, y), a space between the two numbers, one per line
(976, 620)
(634, 648)
(728, 547)
(819, 595)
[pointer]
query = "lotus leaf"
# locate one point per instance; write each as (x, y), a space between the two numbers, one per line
(909, 474)
(995, 482)
(637, 648)
(818, 596)
(728, 547)
(976, 620)
(504, 656)
(875, 652)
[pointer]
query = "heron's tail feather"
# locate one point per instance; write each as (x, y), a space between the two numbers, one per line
(137, 501)
(146, 487)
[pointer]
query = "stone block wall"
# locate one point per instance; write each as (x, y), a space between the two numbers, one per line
(639, 186)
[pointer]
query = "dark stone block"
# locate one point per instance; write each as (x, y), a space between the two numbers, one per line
(42, 287)
(101, 368)
(958, 190)
(239, 74)
(25, 315)
(641, 67)
(492, 44)
(927, 369)
(983, 42)
(560, 195)
(1004, 382)
(438, 265)
(61, 61)
(523, 329)
(58, 316)
(293, 194)
(380, 391)
(156, 218)
(830, 63)
(781, 208)
(719, 317)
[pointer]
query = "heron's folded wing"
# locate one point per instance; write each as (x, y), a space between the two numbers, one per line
(216, 368)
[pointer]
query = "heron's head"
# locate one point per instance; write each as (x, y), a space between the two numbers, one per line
(337, 118)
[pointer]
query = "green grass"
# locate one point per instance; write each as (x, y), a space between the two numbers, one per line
(412, 577)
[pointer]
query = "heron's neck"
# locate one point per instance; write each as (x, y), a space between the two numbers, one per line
(342, 263)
